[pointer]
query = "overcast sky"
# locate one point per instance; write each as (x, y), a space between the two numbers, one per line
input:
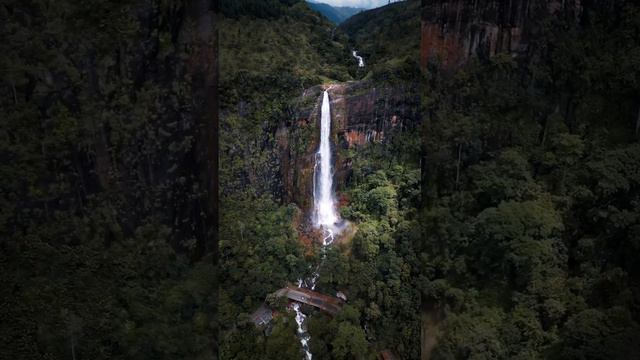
(355, 3)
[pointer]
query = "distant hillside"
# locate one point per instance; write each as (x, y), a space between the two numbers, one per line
(284, 40)
(337, 14)
(386, 34)
(263, 9)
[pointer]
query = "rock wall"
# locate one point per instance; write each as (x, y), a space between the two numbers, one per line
(456, 30)
(297, 143)
(364, 113)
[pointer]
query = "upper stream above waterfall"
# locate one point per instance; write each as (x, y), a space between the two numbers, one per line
(359, 58)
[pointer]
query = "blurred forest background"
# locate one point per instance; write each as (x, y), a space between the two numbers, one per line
(532, 193)
(103, 212)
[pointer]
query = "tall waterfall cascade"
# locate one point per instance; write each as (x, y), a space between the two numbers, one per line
(325, 216)
(324, 201)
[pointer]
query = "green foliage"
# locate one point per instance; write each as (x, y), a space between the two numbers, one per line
(102, 250)
(258, 246)
(531, 199)
(383, 196)
(507, 177)
(349, 342)
(257, 8)
(299, 44)
(282, 343)
(270, 52)
(601, 335)
(341, 337)
(385, 34)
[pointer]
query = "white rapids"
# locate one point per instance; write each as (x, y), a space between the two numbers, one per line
(359, 58)
(302, 331)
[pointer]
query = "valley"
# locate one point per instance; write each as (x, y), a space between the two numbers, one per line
(336, 161)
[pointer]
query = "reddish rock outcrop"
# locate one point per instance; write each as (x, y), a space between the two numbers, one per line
(456, 30)
(297, 143)
(364, 113)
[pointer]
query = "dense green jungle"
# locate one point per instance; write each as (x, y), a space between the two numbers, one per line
(508, 230)
(531, 191)
(272, 66)
(103, 243)
(161, 160)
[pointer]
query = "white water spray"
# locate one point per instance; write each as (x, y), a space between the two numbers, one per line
(359, 58)
(302, 331)
(325, 216)
(323, 197)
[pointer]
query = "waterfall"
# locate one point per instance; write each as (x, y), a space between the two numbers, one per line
(358, 57)
(323, 197)
(325, 216)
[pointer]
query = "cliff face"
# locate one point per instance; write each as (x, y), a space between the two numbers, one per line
(361, 113)
(455, 31)
(297, 142)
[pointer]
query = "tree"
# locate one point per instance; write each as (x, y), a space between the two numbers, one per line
(349, 342)
(283, 343)
(595, 334)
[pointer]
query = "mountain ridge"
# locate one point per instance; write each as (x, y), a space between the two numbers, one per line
(336, 14)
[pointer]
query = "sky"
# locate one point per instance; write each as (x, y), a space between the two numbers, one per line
(367, 4)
